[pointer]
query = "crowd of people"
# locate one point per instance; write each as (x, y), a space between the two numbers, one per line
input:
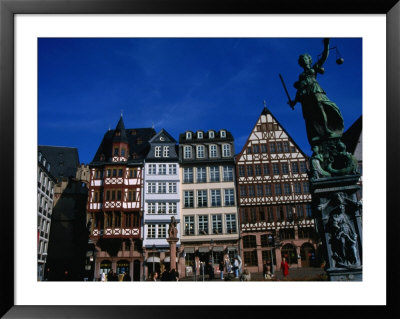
(113, 276)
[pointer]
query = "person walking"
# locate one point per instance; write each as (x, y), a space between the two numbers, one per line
(155, 276)
(236, 267)
(285, 267)
(221, 269)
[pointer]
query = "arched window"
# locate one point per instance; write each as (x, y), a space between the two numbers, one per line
(289, 252)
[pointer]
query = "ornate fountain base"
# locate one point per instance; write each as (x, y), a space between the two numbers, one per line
(338, 218)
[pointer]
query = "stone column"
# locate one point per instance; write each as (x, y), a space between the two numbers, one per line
(172, 244)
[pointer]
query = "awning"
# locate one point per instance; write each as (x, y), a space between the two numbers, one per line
(167, 259)
(204, 249)
(218, 248)
(232, 248)
(150, 259)
(189, 250)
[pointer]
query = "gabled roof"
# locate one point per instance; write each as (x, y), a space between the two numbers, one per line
(137, 139)
(351, 137)
(64, 161)
(165, 134)
(265, 112)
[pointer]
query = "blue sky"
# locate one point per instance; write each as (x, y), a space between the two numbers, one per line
(182, 84)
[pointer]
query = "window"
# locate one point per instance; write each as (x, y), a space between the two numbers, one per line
(249, 150)
(257, 168)
(249, 170)
(114, 173)
(99, 174)
(297, 188)
(151, 208)
(119, 195)
(120, 172)
(213, 150)
(117, 219)
(112, 195)
(279, 148)
(203, 224)
(108, 173)
(151, 188)
(299, 211)
(188, 135)
(162, 231)
(217, 224)
(250, 258)
(289, 213)
(157, 151)
(295, 168)
(256, 148)
(285, 168)
(172, 208)
(133, 173)
(116, 151)
(270, 214)
(162, 188)
(189, 225)
(187, 152)
(172, 188)
(162, 208)
(201, 175)
(266, 169)
(251, 190)
(275, 168)
(123, 152)
(243, 192)
(268, 191)
(306, 187)
(162, 169)
(227, 173)
(249, 241)
(243, 215)
(279, 213)
(303, 167)
(241, 170)
(172, 169)
(188, 175)
(132, 196)
(226, 150)
(272, 147)
(287, 188)
(215, 197)
(199, 135)
(151, 231)
(264, 148)
(223, 133)
(188, 199)
(286, 234)
(202, 198)
(286, 147)
(200, 151)
(108, 219)
(278, 189)
(229, 197)
(152, 169)
(230, 220)
(211, 134)
(214, 174)
(260, 190)
(309, 211)
(108, 195)
(166, 151)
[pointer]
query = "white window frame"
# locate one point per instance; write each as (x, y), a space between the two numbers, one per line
(187, 151)
(152, 169)
(223, 133)
(199, 135)
(187, 173)
(151, 208)
(151, 187)
(157, 151)
(172, 208)
(200, 151)
(172, 169)
(162, 188)
(161, 208)
(172, 188)
(229, 195)
(211, 134)
(162, 231)
(213, 151)
(166, 151)
(151, 231)
(188, 135)
(226, 150)
(162, 169)
(215, 195)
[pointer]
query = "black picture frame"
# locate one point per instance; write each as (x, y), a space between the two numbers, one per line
(8, 10)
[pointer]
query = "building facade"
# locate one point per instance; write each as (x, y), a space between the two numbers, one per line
(274, 199)
(46, 182)
(209, 221)
(114, 208)
(161, 200)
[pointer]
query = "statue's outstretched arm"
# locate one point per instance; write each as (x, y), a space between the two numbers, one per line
(325, 54)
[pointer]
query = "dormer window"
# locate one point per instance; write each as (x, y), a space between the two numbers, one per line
(200, 135)
(211, 134)
(117, 133)
(157, 151)
(223, 133)
(44, 162)
(166, 151)
(116, 151)
(40, 156)
(187, 152)
(48, 167)
(122, 152)
(188, 135)
(200, 151)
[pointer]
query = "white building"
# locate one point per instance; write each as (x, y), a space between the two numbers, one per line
(161, 200)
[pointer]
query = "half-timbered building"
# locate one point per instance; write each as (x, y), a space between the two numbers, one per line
(161, 200)
(274, 199)
(209, 228)
(114, 206)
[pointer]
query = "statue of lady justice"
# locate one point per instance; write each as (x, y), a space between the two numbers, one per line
(322, 116)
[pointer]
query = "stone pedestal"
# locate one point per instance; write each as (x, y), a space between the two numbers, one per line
(172, 244)
(338, 218)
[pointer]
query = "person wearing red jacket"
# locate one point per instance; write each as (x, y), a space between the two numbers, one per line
(285, 267)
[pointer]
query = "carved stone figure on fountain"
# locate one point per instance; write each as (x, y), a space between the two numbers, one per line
(172, 230)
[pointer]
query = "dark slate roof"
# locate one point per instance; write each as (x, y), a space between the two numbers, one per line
(121, 137)
(163, 132)
(352, 135)
(64, 161)
(137, 151)
(205, 139)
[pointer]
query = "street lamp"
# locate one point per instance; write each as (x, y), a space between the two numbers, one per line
(153, 248)
(271, 241)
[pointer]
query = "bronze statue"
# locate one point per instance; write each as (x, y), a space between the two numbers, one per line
(322, 116)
